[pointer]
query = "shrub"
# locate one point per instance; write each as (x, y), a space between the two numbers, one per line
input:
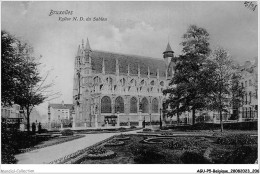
(237, 139)
(134, 123)
(67, 132)
(147, 130)
(97, 150)
(132, 127)
(144, 154)
(167, 133)
(193, 158)
(242, 155)
(164, 128)
(123, 123)
(44, 130)
(122, 128)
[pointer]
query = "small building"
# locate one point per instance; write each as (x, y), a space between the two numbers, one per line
(11, 116)
(60, 114)
(249, 81)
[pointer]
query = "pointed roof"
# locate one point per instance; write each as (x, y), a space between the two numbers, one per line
(135, 62)
(168, 48)
(82, 44)
(87, 45)
(78, 53)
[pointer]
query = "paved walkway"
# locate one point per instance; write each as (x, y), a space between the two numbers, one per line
(51, 153)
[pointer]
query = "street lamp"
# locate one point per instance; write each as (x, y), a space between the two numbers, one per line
(160, 118)
(96, 122)
(140, 115)
(150, 120)
(118, 121)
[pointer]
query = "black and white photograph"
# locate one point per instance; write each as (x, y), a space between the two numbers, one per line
(114, 83)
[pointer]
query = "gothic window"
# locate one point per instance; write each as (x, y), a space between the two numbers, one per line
(97, 80)
(122, 81)
(162, 83)
(250, 97)
(133, 105)
(250, 82)
(142, 82)
(109, 80)
(133, 82)
(145, 105)
(155, 105)
(119, 105)
(106, 105)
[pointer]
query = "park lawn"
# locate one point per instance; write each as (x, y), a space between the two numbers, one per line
(183, 150)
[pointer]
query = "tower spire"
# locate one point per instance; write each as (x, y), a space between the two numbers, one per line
(128, 70)
(88, 46)
(117, 67)
(148, 72)
(78, 53)
(139, 73)
(103, 66)
(168, 55)
(82, 44)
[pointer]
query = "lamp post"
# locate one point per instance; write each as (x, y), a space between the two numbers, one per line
(140, 114)
(118, 120)
(150, 120)
(160, 118)
(96, 122)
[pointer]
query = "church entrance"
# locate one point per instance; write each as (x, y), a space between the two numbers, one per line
(110, 120)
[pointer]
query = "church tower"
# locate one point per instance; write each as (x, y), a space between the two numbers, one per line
(168, 55)
(87, 84)
(83, 82)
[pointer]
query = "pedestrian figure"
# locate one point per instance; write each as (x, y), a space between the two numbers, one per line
(39, 127)
(144, 124)
(33, 128)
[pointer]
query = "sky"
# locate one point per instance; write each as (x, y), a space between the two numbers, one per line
(139, 28)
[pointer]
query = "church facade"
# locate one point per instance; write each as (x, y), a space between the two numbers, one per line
(112, 89)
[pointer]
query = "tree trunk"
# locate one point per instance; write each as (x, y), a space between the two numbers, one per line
(28, 120)
(193, 116)
(178, 116)
(221, 122)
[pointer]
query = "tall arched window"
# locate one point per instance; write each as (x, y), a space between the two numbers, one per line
(119, 105)
(133, 105)
(106, 105)
(145, 105)
(155, 106)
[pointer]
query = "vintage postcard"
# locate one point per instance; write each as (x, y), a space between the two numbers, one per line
(117, 86)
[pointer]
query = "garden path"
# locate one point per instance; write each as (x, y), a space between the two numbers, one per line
(51, 153)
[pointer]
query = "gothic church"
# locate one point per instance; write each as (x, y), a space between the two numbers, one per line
(110, 85)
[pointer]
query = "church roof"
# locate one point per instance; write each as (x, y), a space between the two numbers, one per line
(168, 48)
(62, 106)
(124, 60)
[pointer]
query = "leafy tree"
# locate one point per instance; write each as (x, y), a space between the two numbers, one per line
(188, 87)
(226, 90)
(24, 84)
(10, 65)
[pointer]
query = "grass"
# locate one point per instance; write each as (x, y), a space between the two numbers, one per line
(15, 142)
(221, 149)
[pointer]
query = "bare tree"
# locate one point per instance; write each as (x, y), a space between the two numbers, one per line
(226, 89)
(33, 88)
